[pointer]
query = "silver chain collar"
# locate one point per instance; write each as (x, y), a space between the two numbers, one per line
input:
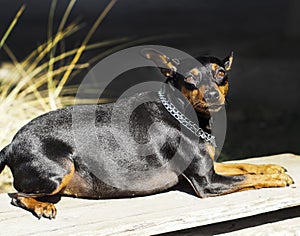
(194, 128)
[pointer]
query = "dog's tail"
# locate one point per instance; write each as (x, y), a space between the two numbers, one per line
(3, 158)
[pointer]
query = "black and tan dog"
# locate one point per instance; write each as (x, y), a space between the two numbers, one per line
(46, 161)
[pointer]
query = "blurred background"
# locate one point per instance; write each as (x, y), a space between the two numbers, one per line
(263, 106)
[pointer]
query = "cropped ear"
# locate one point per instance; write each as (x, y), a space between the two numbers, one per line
(168, 66)
(228, 62)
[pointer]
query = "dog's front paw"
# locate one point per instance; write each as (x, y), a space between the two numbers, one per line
(268, 181)
(288, 179)
(279, 180)
(270, 169)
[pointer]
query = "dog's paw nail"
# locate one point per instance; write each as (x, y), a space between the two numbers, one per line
(14, 202)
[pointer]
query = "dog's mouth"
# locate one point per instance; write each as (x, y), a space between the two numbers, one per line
(215, 108)
(208, 108)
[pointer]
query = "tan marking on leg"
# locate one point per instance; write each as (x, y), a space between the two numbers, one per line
(78, 187)
(261, 181)
(211, 150)
(231, 169)
(44, 209)
(266, 181)
(65, 181)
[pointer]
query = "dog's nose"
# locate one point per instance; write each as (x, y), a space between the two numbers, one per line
(212, 96)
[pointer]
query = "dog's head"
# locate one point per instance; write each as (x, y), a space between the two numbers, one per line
(204, 84)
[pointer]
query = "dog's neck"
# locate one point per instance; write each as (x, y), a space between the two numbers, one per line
(181, 109)
(205, 122)
(175, 97)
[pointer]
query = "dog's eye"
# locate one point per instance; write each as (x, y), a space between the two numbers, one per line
(221, 73)
(167, 72)
(191, 79)
(191, 75)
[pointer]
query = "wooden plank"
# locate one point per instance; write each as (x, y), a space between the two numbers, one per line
(154, 214)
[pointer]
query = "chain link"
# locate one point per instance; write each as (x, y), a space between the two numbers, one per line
(194, 128)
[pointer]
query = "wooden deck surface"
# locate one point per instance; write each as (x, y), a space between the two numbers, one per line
(160, 213)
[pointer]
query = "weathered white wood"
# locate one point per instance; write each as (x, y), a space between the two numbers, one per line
(154, 214)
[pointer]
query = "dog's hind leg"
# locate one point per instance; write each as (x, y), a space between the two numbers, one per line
(32, 188)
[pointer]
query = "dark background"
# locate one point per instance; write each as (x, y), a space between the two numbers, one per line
(263, 110)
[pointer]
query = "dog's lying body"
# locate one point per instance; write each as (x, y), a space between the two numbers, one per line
(49, 141)
(48, 158)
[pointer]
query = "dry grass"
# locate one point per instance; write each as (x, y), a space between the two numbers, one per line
(38, 84)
